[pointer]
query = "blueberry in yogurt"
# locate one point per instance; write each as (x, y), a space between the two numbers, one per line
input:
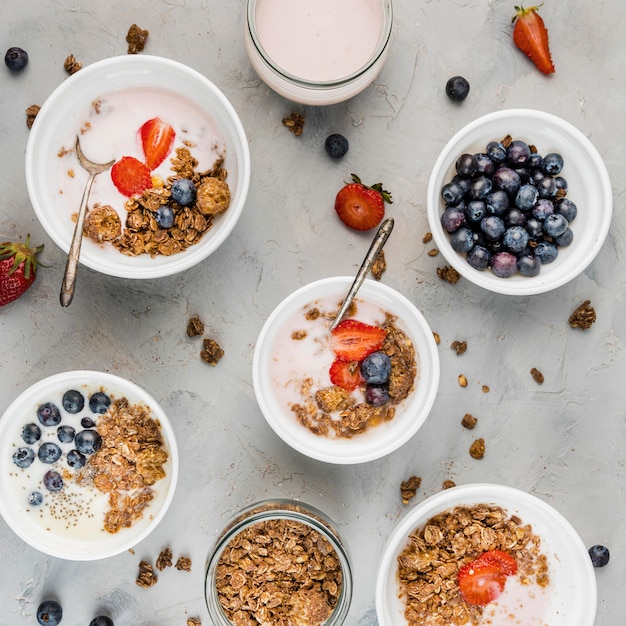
(35, 498)
(49, 414)
(31, 433)
(52, 481)
(65, 433)
(75, 459)
(23, 457)
(73, 401)
(88, 441)
(99, 402)
(49, 452)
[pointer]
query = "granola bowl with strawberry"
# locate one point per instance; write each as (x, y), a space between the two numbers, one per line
(519, 202)
(354, 394)
(180, 165)
(91, 465)
(485, 554)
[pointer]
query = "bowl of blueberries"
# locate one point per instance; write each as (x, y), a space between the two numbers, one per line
(90, 465)
(519, 202)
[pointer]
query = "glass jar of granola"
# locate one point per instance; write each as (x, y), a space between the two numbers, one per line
(279, 560)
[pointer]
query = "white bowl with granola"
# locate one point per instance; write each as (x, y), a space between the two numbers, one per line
(483, 554)
(353, 395)
(181, 168)
(90, 465)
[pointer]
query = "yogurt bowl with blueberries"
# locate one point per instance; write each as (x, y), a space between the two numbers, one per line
(90, 465)
(519, 202)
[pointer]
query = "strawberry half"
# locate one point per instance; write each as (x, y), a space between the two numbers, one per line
(157, 139)
(344, 374)
(481, 581)
(131, 176)
(531, 37)
(352, 340)
(18, 269)
(361, 207)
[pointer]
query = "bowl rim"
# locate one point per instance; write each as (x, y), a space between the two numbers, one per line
(429, 379)
(538, 284)
(147, 65)
(490, 493)
(90, 550)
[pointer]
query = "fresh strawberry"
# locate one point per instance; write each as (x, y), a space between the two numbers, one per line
(531, 37)
(345, 374)
(18, 269)
(481, 581)
(131, 176)
(352, 340)
(157, 139)
(361, 207)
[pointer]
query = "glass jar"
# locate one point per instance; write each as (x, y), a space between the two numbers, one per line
(292, 511)
(318, 52)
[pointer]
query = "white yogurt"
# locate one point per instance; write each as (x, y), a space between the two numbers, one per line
(518, 605)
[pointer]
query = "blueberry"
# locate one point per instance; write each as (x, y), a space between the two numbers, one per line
(376, 395)
(49, 452)
(497, 202)
(503, 264)
(87, 422)
(31, 433)
(16, 59)
(535, 161)
(552, 163)
(561, 183)
(75, 459)
(375, 368)
(452, 193)
(555, 225)
(52, 481)
(457, 88)
(462, 240)
(466, 165)
(492, 227)
(73, 401)
(475, 211)
(546, 252)
(183, 191)
(88, 441)
(528, 265)
(484, 165)
(66, 433)
(49, 414)
(452, 219)
(566, 208)
(496, 152)
(536, 176)
(546, 187)
(534, 227)
(23, 457)
(462, 182)
(480, 187)
(35, 498)
(515, 239)
(543, 208)
(101, 620)
(515, 217)
(565, 239)
(518, 153)
(507, 179)
(479, 257)
(49, 613)
(336, 146)
(526, 197)
(164, 216)
(599, 555)
(99, 402)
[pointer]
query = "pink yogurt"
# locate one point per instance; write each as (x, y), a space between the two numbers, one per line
(517, 605)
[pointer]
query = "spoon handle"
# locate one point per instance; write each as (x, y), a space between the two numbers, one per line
(379, 241)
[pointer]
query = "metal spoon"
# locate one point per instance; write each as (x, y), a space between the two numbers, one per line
(69, 277)
(381, 237)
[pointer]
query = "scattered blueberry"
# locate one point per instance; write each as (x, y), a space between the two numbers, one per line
(73, 401)
(164, 216)
(376, 395)
(23, 457)
(336, 146)
(49, 452)
(75, 459)
(183, 191)
(87, 422)
(31, 433)
(16, 59)
(66, 433)
(375, 368)
(49, 414)
(101, 620)
(457, 88)
(52, 481)
(599, 555)
(99, 402)
(88, 441)
(49, 613)
(35, 498)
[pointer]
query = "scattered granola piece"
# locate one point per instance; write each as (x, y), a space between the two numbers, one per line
(485, 389)
(477, 449)
(333, 398)
(469, 421)
(409, 487)
(460, 347)
(448, 484)
(211, 352)
(146, 577)
(295, 123)
(433, 252)
(102, 223)
(462, 380)
(437, 338)
(164, 559)
(537, 376)
(298, 335)
(136, 39)
(195, 326)
(449, 274)
(583, 317)
(31, 114)
(71, 65)
(427, 237)
(379, 266)
(183, 564)
(194, 621)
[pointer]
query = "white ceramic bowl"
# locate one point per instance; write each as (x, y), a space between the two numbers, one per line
(588, 182)
(571, 592)
(375, 442)
(84, 539)
(55, 196)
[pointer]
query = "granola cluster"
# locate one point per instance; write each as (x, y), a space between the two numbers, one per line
(280, 572)
(428, 566)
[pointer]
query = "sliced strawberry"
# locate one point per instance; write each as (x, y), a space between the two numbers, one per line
(157, 139)
(131, 176)
(506, 562)
(345, 374)
(531, 37)
(352, 340)
(361, 207)
(481, 581)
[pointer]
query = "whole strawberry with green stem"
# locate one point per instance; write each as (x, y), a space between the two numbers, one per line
(361, 207)
(18, 269)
